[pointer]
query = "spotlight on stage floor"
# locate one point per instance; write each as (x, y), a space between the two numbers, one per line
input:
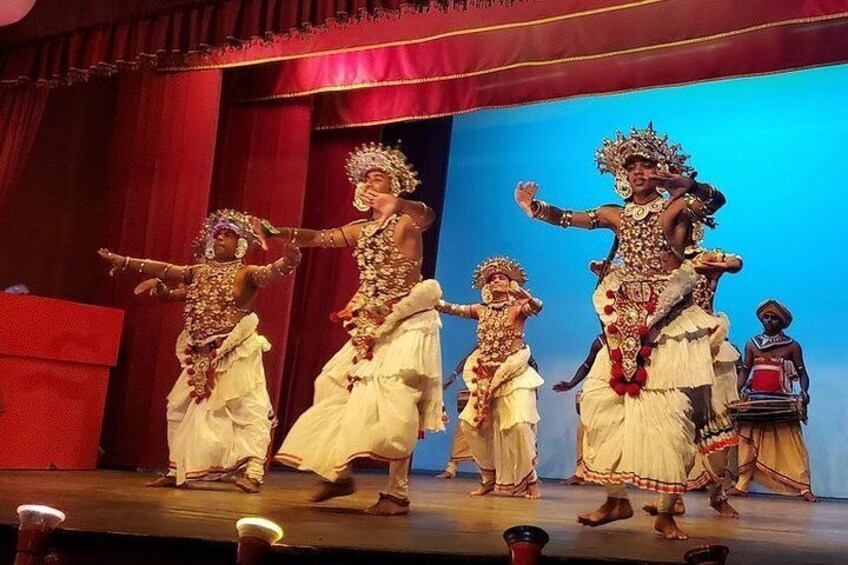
(525, 544)
(707, 555)
(256, 536)
(37, 523)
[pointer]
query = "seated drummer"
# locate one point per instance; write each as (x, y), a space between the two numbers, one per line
(773, 454)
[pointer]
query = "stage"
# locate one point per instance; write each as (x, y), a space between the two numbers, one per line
(109, 512)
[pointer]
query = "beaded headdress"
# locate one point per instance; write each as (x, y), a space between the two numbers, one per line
(378, 157)
(238, 222)
(503, 265)
(614, 154)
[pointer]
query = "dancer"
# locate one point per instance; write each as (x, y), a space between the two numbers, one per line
(500, 420)
(383, 386)
(635, 403)
(219, 413)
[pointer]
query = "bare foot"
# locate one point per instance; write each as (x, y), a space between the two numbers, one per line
(652, 508)
(810, 497)
(724, 508)
(666, 525)
(610, 511)
(389, 505)
(573, 481)
(446, 475)
(248, 485)
(161, 482)
(733, 491)
(330, 490)
(534, 491)
(483, 489)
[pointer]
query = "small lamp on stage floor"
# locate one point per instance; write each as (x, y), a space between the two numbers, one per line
(37, 523)
(256, 536)
(707, 555)
(525, 544)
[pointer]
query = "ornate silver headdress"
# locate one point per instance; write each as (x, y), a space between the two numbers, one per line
(509, 267)
(238, 222)
(379, 157)
(612, 156)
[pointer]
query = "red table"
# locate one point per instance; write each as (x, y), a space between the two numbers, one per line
(54, 371)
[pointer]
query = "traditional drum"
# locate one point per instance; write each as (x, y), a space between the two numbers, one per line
(767, 408)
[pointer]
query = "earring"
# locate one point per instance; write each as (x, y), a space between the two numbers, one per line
(622, 187)
(241, 248)
(486, 292)
(210, 251)
(358, 202)
(513, 286)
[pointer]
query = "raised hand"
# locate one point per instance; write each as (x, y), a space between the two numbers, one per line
(261, 232)
(292, 253)
(525, 193)
(520, 293)
(116, 262)
(676, 185)
(384, 203)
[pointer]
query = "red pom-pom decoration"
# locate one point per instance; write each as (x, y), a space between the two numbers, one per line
(617, 371)
(369, 355)
(643, 331)
(190, 371)
(650, 307)
(612, 328)
(633, 389)
(608, 309)
(646, 351)
(641, 375)
(620, 388)
(355, 360)
(610, 294)
(615, 354)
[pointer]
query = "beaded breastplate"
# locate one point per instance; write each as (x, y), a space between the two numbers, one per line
(642, 244)
(497, 335)
(210, 307)
(385, 277)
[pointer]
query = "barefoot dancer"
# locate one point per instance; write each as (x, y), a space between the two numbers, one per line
(500, 420)
(384, 386)
(219, 413)
(635, 407)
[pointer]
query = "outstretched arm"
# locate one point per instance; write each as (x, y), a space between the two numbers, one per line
(344, 236)
(271, 273)
(582, 371)
(459, 310)
(525, 196)
(148, 267)
(158, 289)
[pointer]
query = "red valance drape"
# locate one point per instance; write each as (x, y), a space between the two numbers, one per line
(577, 52)
(200, 30)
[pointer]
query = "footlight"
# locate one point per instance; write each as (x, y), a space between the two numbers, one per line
(256, 536)
(37, 523)
(525, 544)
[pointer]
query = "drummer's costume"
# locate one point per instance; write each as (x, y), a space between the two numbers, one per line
(773, 454)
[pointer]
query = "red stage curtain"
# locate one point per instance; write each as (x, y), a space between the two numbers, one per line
(326, 278)
(161, 157)
(261, 167)
(20, 116)
(182, 30)
(52, 221)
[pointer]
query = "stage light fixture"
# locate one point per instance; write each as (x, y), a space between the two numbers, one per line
(37, 523)
(256, 536)
(525, 544)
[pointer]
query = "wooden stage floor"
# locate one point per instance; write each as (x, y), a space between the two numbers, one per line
(444, 521)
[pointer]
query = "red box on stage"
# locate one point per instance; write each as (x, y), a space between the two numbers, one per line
(55, 358)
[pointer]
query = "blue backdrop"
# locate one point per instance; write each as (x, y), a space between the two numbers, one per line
(775, 145)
